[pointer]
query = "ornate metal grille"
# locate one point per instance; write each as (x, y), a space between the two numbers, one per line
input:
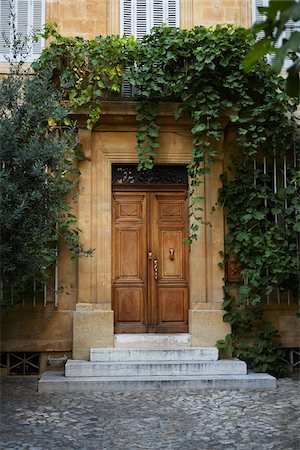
(292, 356)
(21, 363)
(160, 174)
(275, 174)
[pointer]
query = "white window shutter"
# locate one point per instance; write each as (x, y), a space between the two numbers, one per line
(139, 16)
(173, 9)
(257, 16)
(38, 17)
(165, 12)
(158, 13)
(23, 18)
(127, 15)
(4, 27)
(290, 25)
(142, 18)
(29, 16)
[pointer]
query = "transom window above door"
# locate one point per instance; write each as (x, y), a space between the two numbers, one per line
(124, 174)
(139, 16)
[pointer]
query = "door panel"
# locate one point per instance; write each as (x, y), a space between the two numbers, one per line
(171, 243)
(150, 262)
(129, 304)
(129, 264)
(174, 309)
(128, 244)
(169, 227)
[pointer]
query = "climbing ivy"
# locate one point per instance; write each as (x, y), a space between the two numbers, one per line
(86, 71)
(263, 233)
(199, 68)
(201, 71)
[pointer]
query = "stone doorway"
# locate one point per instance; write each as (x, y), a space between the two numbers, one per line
(150, 261)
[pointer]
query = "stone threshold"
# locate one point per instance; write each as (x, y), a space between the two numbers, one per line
(153, 340)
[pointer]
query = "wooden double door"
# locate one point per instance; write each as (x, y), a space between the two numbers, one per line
(150, 262)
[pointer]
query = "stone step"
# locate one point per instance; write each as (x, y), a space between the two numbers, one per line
(75, 368)
(154, 354)
(57, 382)
(152, 340)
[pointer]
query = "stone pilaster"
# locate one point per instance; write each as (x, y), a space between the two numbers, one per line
(113, 17)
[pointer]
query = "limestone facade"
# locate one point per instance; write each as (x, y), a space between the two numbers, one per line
(89, 18)
(83, 316)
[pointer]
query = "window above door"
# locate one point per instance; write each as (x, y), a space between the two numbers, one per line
(139, 16)
(291, 26)
(25, 18)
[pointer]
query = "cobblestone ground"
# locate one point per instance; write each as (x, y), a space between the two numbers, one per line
(185, 420)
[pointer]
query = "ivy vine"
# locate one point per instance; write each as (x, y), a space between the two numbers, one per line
(201, 69)
(263, 233)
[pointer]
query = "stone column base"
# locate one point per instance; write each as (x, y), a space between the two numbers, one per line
(92, 327)
(207, 327)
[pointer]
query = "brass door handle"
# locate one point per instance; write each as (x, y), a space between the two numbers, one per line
(171, 253)
(155, 269)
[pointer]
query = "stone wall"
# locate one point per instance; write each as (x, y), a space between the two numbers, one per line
(86, 301)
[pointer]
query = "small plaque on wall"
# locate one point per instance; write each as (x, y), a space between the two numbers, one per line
(234, 269)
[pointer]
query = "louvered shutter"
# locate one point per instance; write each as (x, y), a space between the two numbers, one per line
(23, 23)
(142, 19)
(257, 16)
(173, 13)
(139, 16)
(165, 12)
(29, 16)
(158, 13)
(135, 18)
(127, 15)
(22, 17)
(4, 27)
(38, 14)
(290, 26)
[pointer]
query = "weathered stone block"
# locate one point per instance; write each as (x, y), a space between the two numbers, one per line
(206, 327)
(94, 328)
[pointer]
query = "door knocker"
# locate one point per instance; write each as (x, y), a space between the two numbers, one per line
(171, 253)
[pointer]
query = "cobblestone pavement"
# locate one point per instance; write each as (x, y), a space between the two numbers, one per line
(185, 420)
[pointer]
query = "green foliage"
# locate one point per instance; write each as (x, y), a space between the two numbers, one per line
(199, 68)
(147, 134)
(262, 228)
(86, 71)
(278, 15)
(39, 149)
(261, 350)
(201, 71)
(263, 234)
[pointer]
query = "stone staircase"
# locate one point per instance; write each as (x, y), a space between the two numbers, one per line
(159, 363)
